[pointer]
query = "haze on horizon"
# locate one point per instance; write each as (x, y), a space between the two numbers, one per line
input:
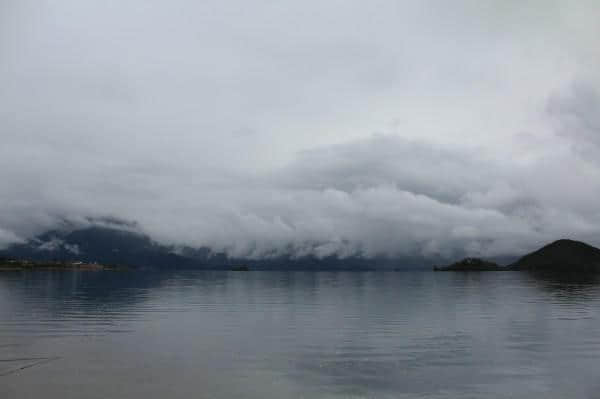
(345, 128)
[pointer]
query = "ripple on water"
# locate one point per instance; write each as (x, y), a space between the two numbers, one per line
(275, 334)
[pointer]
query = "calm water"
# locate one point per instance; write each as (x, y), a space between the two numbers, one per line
(298, 335)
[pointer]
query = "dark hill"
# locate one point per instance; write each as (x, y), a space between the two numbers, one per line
(561, 255)
(470, 265)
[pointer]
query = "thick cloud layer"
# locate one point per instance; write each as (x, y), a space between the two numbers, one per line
(326, 128)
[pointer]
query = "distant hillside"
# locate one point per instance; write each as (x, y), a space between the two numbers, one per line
(124, 247)
(561, 255)
(97, 244)
(471, 265)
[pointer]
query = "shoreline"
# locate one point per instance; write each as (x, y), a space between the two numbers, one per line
(13, 265)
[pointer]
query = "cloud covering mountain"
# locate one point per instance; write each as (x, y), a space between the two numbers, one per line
(315, 128)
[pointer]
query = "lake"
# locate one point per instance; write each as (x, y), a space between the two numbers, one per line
(200, 334)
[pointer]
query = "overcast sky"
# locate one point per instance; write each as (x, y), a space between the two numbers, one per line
(318, 127)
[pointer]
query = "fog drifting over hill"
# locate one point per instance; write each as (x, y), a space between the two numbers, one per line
(318, 127)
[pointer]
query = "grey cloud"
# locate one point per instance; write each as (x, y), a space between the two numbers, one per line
(320, 205)
(414, 166)
(248, 127)
(577, 114)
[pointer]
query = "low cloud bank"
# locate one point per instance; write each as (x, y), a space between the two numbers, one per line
(379, 196)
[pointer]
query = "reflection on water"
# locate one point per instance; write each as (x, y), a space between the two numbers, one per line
(298, 334)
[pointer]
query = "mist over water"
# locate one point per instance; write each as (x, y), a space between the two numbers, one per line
(298, 334)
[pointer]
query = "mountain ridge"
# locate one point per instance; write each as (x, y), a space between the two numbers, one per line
(125, 246)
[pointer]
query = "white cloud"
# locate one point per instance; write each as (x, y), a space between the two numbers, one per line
(8, 237)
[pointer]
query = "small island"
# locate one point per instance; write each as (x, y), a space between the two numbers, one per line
(559, 256)
(470, 264)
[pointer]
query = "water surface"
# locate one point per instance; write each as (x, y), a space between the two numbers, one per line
(298, 335)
